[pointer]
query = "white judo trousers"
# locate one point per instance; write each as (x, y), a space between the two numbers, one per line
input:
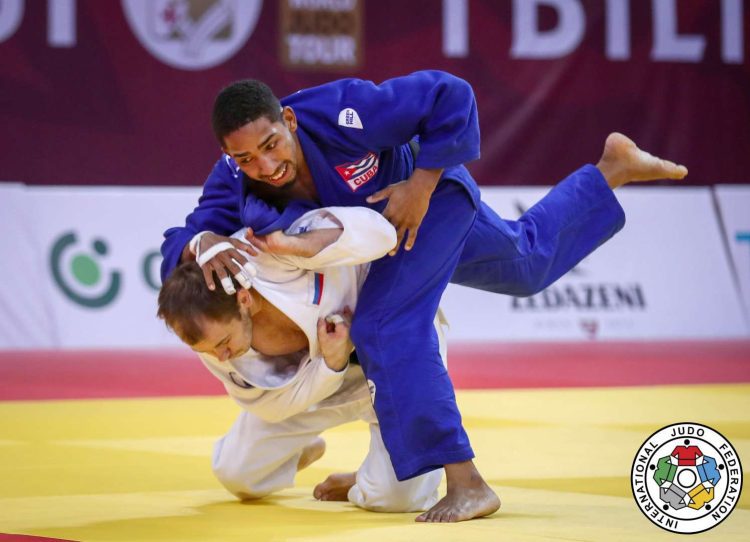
(257, 458)
(288, 401)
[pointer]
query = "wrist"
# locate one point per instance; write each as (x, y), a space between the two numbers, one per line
(336, 364)
(186, 255)
(194, 244)
(312, 243)
(300, 245)
(426, 179)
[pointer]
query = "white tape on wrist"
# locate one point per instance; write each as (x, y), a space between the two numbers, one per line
(194, 244)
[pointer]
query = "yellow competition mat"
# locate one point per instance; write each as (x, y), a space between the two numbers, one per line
(139, 469)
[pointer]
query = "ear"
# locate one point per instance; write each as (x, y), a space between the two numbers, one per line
(244, 299)
(289, 118)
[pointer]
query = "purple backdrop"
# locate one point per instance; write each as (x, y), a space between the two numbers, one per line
(102, 109)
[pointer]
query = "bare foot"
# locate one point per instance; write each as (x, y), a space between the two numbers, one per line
(468, 496)
(311, 453)
(336, 487)
(623, 162)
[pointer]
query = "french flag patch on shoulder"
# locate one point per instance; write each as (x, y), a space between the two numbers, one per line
(360, 171)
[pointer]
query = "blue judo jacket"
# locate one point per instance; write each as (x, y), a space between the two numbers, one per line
(355, 137)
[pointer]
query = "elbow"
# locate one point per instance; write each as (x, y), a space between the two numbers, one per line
(389, 239)
(272, 417)
(387, 235)
(381, 235)
(528, 290)
(536, 278)
(269, 413)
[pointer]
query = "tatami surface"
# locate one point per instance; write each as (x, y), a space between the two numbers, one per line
(139, 469)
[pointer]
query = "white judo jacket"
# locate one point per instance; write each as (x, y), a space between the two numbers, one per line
(305, 289)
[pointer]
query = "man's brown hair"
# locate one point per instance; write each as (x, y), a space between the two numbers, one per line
(185, 300)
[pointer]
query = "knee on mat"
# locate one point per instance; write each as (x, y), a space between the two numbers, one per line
(394, 498)
(240, 483)
(396, 504)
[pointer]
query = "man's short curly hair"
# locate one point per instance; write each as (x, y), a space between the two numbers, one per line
(240, 103)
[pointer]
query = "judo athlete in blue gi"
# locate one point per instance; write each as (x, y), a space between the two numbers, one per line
(399, 148)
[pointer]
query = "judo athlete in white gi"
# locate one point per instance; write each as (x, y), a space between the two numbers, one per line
(288, 368)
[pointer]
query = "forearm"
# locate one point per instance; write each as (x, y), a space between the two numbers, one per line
(186, 255)
(360, 235)
(311, 243)
(426, 179)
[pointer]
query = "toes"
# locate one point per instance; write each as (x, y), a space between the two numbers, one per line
(674, 171)
(431, 516)
(434, 518)
(678, 172)
(320, 492)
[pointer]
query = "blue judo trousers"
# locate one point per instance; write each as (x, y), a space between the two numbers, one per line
(357, 138)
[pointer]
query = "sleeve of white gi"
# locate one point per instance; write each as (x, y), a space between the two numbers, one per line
(366, 236)
(314, 382)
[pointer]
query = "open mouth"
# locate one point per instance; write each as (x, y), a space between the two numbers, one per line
(279, 175)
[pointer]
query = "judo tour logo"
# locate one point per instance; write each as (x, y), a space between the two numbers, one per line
(686, 478)
(79, 276)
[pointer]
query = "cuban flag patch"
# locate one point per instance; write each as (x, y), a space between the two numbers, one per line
(357, 173)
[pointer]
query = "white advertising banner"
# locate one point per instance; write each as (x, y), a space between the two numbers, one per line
(734, 206)
(97, 253)
(666, 275)
(24, 316)
(81, 270)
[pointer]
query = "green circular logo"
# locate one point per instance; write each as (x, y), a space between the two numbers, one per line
(86, 270)
(150, 269)
(78, 274)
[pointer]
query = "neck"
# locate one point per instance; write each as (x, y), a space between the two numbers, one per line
(258, 303)
(274, 333)
(304, 187)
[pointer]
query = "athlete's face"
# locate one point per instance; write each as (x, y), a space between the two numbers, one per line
(227, 339)
(266, 151)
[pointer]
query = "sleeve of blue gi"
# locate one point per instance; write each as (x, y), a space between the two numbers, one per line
(217, 211)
